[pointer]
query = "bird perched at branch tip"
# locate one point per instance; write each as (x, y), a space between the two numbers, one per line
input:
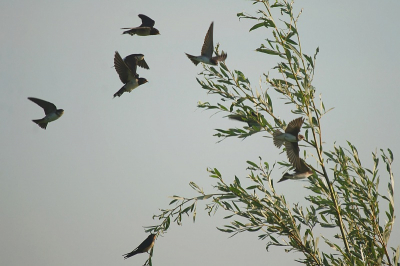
(145, 246)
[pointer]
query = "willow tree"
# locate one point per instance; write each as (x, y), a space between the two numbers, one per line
(343, 194)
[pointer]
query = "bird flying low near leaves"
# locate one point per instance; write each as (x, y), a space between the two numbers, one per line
(127, 72)
(145, 29)
(207, 51)
(290, 138)
(51, 111)
(299, 173)
(145, 246)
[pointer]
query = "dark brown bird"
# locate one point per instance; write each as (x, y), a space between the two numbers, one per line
(207, 51)
(145, 29)
(127, 74)
(291, 137)
(299, 173)
(145, 246)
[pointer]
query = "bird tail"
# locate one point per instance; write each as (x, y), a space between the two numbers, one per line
(286, 176)
(278, 142)
(191, 57)
(40, 123)
(120, 92)
(129, 31)
(221, 57)
(130, 254)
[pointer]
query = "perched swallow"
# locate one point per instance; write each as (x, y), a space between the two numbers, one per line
(207, 51)
(145, 29)
(51, 111)
(291, 137)
(127, 73)
(145, 246)
(299, 173)
(250, 119)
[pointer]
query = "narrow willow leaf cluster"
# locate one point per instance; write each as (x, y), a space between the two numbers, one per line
(344, 195)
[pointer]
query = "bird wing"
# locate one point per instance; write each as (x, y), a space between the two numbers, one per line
(294, 126)
(47, 106)
(133, 61)
(292, 152)
(125, 73)
(146, 21)
(142, 63)
(208, 46)
(303, 167)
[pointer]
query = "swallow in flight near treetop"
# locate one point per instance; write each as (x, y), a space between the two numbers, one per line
(127, 72)
(207, 51)
(299, 173)
(291, 137)
(51, 111)
(145, 246)
(145, 29)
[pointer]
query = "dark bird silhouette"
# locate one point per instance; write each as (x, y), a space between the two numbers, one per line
(207, 51)
(145, 29)
(299, 173)
(291, 137)
(145, 246)
(127, 72)
(51, 111)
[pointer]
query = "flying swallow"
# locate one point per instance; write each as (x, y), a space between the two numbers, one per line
(51, 111)
(207, 51)
(145, 246)
(135, 60)
(127, 73)
(291, 137)
(299, 173)
(145, 29)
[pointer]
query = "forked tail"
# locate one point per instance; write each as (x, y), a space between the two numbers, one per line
(192, 58)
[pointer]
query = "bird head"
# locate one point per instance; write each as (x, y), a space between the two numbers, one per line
(60, 112)
(154, 31)
(142, 81)
(300, 137)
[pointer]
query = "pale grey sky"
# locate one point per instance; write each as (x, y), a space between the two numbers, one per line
(79, 192)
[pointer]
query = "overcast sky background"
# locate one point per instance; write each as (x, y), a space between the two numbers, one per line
(79, 192)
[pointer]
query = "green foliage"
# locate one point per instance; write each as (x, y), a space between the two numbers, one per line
(343, 197)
